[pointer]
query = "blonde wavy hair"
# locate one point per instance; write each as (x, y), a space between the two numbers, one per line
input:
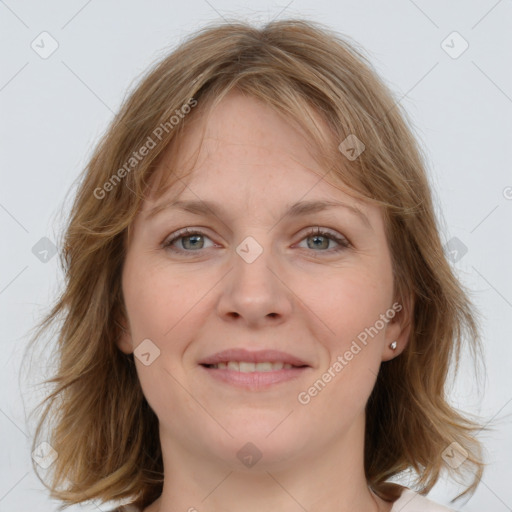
(95, 414)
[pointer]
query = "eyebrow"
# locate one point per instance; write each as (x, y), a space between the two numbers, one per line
(299, 209)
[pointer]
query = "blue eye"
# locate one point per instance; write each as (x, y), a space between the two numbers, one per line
(322, 236)
(192, 240)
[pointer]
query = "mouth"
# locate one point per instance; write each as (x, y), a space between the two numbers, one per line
(253, 370)
(248, 367)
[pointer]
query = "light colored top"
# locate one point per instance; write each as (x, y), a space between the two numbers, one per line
(409, 501)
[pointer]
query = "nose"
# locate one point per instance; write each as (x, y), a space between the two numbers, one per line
(254, 292)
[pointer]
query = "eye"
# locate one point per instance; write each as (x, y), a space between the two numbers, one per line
(321, 239)
(191, 240)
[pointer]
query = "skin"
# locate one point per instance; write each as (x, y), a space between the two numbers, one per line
(298, 296)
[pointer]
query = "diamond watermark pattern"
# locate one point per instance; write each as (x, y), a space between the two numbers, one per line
(351, 147)
(249, 454)
(249, 249)
(454, 45)
(44, 455)
(44, 45)
(454, 455)
(44, 250)
(455, 249)
(146, 352)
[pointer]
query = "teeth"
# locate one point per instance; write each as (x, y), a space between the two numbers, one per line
(266, 367)
(246, 367)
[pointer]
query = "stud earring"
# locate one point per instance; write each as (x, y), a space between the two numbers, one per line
(393, 345)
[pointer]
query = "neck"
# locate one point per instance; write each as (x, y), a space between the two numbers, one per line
(330, 479)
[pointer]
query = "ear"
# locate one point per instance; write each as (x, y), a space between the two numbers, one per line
(398, 328)
(124, 338)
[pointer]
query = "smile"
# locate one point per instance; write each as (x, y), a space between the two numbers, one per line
(247, 367)
(253, 376)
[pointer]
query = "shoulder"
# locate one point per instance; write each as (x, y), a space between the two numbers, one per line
(411, 501)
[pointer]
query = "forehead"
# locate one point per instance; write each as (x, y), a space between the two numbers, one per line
(243, 141)
(243, 162)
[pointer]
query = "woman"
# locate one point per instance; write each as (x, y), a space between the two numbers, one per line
(258, 313)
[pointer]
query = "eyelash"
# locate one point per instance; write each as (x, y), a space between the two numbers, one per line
(186, 232)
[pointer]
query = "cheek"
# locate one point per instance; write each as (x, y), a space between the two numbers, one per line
(347, 302)
(146, 310)
(350, 306)
(162, 306)
(156, 299)
(156, 307)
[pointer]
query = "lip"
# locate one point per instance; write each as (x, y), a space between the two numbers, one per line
(255, 381)
(258, 356)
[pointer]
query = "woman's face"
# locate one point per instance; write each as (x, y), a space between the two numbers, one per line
(253, 276)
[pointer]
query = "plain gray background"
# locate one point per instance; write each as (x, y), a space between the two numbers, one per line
(54, 110)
